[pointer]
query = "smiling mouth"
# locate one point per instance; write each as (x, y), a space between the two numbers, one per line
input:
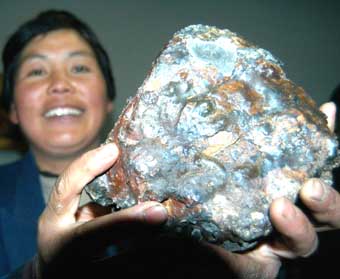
(58, 112)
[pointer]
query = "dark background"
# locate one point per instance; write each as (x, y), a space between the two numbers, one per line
(304, 35)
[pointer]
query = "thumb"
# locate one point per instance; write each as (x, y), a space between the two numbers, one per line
(329, 109)
(66, 193)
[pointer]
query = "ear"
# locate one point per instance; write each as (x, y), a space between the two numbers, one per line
(109, 106)
(13, 115)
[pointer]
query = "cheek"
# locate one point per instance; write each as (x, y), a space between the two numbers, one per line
(27, 99)
(95, 93)
(99, 109)
(27, 104)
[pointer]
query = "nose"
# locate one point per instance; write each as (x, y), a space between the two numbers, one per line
(59, 84)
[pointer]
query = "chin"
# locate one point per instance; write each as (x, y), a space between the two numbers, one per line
(69, 147)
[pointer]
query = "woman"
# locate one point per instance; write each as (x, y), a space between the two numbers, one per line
(58, 88)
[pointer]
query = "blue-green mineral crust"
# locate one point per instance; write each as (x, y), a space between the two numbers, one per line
(215, 133)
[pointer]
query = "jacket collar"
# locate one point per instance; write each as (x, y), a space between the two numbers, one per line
(21, 217)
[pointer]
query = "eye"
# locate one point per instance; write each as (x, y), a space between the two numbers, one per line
(35, 73)
(80, 69)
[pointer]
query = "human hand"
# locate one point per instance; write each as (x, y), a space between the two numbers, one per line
(297, 235)
(70, 230)
(72, 238)
(322, 200)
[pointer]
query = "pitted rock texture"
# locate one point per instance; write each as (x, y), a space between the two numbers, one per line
(215, 133)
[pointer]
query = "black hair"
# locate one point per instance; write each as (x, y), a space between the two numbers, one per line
(335, 98)
(43, 23)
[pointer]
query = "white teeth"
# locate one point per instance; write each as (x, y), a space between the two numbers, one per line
(63, 112)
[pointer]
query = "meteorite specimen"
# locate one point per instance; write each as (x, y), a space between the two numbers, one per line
(215, 133)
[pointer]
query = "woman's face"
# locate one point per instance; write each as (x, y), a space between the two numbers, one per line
(60, 99)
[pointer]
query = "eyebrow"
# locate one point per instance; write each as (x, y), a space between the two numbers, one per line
(44, 57)
(81, 53)
(31, 56)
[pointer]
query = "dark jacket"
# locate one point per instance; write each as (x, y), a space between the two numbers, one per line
(21, 203)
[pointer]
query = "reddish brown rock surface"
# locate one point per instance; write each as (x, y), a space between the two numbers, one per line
(216, 132)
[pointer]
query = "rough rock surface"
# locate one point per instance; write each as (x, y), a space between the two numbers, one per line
(216, 132)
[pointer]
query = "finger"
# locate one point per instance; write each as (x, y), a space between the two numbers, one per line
(323, 201)
(90, 211)
(298, 234)
(65, 195)
(83, 241)
(121, 225)
(329, 109)
(256, 263)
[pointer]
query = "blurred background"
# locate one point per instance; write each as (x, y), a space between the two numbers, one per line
(303, 34)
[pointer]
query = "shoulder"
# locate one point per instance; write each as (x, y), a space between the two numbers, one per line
(10, 174)
(26, 161)
(8, 171)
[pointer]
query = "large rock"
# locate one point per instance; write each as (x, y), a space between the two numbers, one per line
(215, 133)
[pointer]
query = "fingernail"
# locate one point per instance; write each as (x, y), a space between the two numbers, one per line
(313, 249)
(316, 190)
(155, 214)
(108, 151)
